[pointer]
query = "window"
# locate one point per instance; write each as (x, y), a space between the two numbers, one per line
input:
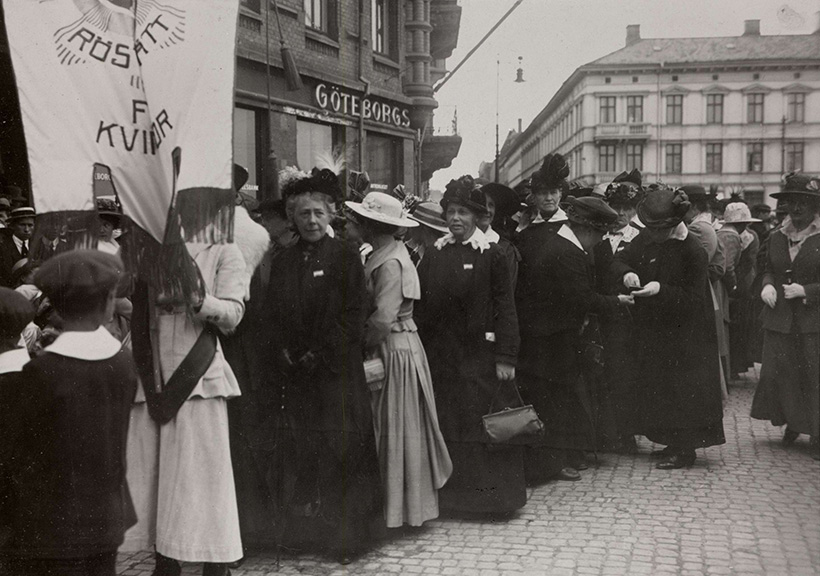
(634, 108)
(320, 16)
(606, 158)
(246, 148)
(714, 158)
(252, 5)
(795, 107)
(674, 109)
(714, 108)
(634, 156)
(607, 109)
(385, 164)
(312, 140)
(384, 27)
(794, 156)
(674, 158)
(754, 108)
(754, 157)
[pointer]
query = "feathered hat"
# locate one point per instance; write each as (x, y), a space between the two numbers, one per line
(663, 207)
(324, 178)
(552, 174)
(625, 189)
(464, 191)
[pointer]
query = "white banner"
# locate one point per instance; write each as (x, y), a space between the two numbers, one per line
(123, 83)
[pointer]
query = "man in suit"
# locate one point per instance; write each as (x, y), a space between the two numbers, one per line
(14, 242)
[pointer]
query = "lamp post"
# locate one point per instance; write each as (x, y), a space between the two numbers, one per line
(519, 78)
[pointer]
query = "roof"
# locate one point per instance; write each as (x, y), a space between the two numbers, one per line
(720, 49)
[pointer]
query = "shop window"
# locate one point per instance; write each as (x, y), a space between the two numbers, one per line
(795, 107)
(608, 110)
(674, 109)
(247, 124)
(385, 164)
(312, 140)
(634, 109)
(754, 157)
(385, 27)
(714, 158)
(634, 156)
(714, 108)
(674, 158)
(754, 108)
(794, 156)
(320, 16)
(606, 158)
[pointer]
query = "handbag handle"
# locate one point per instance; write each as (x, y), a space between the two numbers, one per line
(497, 390)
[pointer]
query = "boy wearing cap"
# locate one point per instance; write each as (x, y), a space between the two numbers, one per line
(73, 504)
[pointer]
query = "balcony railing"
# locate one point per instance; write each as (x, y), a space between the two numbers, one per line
(622, 131)
(445, 121)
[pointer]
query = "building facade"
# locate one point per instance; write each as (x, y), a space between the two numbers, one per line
(734, 113)
(367, 69)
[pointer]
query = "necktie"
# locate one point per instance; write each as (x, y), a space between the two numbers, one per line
(24, 250)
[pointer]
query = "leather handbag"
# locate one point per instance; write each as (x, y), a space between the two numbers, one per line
(511, 425)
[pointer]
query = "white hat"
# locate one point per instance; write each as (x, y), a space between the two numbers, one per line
(738, 213)
(383, 208)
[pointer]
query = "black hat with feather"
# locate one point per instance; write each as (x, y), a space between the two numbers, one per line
(552, 175)
(625, 189)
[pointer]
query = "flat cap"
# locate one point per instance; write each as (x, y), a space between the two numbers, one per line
(15, 313)
(76, 276)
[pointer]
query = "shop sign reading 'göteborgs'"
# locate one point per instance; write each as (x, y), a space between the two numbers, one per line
(334, 99)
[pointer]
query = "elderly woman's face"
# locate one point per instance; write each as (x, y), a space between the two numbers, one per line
(802, 210)
(625, 214)
(460, 220)
(546, 201)
(311, 215)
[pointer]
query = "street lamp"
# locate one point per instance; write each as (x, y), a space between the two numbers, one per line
(519, 78)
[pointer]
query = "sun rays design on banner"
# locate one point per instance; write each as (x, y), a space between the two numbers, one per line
(105, 32)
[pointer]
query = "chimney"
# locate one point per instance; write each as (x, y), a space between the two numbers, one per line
(751, 27)
(519, 125)
(633, 34)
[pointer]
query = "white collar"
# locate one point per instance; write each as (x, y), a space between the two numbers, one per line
(703, 217)
(625, 234)
(13, 360)
(96, 345)
(680, 232)
(566, 232)
(637, 222)
(789, 231)
(558, 216)
(492, 236)
(477, 240)
(18, 242)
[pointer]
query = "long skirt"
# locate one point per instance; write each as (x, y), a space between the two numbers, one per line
(182, 484)
(789, 388)
(413, 457)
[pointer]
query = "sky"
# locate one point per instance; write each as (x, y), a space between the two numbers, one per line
(554, 37)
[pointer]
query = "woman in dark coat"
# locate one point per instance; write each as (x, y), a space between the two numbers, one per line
(789, 388)
(502, 204)
(468, 325)
(319, 419)
(678, 378)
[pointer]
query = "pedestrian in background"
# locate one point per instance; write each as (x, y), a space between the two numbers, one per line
(413, 456)
(72, 499)
(789, 388)
(678, 381)
(469, 328)
(422, 238)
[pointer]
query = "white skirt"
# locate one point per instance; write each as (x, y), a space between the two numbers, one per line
(181, 480)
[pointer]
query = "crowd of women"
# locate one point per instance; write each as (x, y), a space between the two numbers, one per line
(369, 337)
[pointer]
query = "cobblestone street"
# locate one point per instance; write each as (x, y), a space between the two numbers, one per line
(748, 507)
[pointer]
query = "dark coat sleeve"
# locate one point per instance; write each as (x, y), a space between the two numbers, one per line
(505, 321)
(343, 325)
(692, 291)
(573, 272)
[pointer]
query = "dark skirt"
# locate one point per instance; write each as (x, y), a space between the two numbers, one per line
(484, 480)
(741, 335)
(688, 438)
(789, 388)
(620, 372)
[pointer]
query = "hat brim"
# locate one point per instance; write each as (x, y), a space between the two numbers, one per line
(668, 222)
(437, 227)
(505, 198)
(786, 193)
(378, 217)
(744, 221)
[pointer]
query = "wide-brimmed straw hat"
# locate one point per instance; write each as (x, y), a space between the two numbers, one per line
(795, 184)
(738, 213)
(382, 208)
(429, 214)
(591, 211)
(663, 207)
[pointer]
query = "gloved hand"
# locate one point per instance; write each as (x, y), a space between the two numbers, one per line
(769, 295)
(626, 299)
(650, 289)
(791, 291)
(631, 280)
